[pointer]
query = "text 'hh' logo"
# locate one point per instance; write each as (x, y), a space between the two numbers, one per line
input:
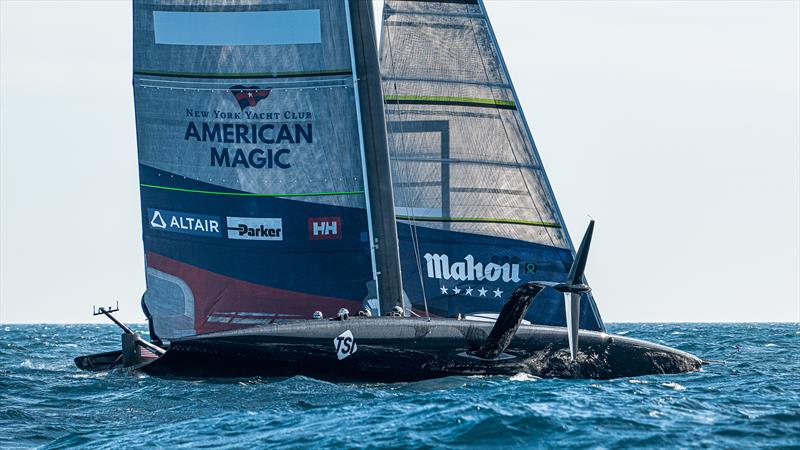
(320, 228)
(248, 96)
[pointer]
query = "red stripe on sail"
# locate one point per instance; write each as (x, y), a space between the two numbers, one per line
(216, 294)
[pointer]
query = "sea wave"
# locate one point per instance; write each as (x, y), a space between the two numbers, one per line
(749, 397)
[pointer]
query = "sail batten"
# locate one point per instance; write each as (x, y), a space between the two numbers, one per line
(254, 75)
(449, 101)
(251, 194)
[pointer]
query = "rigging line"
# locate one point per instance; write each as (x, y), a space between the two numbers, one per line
(482, 220)
(442, 81)
(413, 226)
(249, 194)
(435, 14)
(275, 83)
(502, 122)
(451, 101)
(186, 88)
(247, 76)
(415, 240)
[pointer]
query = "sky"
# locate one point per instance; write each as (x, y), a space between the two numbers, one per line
(675, 125)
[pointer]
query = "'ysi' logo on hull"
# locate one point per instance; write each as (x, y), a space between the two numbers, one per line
(345, 345)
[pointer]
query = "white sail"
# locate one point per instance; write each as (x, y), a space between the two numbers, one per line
(469, 183)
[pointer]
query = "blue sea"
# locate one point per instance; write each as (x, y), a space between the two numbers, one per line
(749, 398)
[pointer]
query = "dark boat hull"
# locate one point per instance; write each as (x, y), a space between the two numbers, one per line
(100, 362)
(388, 350)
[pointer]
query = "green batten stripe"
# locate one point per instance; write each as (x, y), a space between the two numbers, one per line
(459, 101)
(248, 194)
(317, 73)
(480, 219)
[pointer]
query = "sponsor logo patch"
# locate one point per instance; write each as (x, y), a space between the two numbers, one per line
(439, 267)
(324, 228)
(185, 223)
(345, 345)
(255, 228)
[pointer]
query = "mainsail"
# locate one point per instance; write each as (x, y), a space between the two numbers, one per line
(251, 167)
(477, 215)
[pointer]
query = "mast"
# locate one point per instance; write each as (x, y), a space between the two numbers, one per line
(376, 156)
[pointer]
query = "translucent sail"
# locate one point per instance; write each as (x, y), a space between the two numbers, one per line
(252, 185)
(476, 210)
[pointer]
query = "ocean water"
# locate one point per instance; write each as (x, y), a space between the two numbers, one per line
(749, 398)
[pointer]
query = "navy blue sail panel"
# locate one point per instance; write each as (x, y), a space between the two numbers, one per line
(251, 176)
(466, 174)
(466, 273)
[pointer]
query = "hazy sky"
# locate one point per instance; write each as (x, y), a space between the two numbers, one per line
(676, 125)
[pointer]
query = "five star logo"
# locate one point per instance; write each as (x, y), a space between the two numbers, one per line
(456, 290)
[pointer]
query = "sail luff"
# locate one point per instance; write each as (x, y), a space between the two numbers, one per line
(376, 156)
(535, 151)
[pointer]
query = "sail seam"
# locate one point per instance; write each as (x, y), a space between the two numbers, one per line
(467, 161)
(433, 14)
(304, 83)
(481, 220)
(460, 2)
(446, 81)
(454, 101)
(251, 194)
(315, 73)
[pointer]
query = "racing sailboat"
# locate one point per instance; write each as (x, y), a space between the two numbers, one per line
(292, 172)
